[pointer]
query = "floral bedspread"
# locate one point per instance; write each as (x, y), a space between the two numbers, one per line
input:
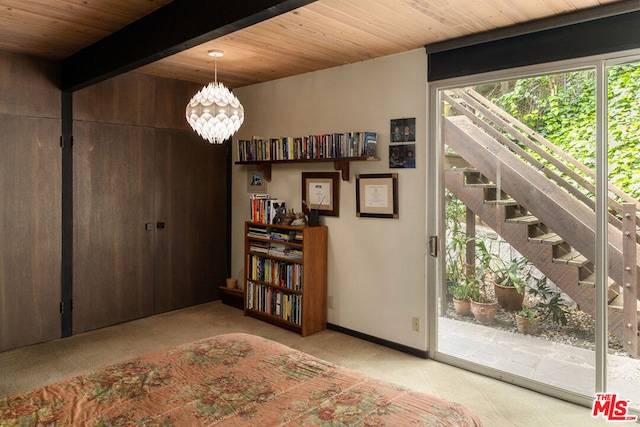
(233, 379)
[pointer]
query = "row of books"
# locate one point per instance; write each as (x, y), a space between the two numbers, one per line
(276, 249)
(286, 236)
(281, 273)
(327, 146)
(266, 210)
(291, 236)
(274, 302)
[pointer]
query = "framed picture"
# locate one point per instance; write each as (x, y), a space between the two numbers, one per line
(256, 182)
(321, 190)
(402, 156)
(403, 130)
(377, 195)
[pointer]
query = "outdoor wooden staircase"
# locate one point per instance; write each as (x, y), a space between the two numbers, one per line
(523, 201)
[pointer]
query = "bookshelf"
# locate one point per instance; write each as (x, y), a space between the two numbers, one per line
(286, 276)
(339, 148)
(339, 164)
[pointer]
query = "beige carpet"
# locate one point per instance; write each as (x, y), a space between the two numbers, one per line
(494, 402)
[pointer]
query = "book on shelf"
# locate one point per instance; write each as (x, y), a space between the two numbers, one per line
(267, 210)
(285, 274)
(274, 302)
(277, 249)
(370, 142)
(276, 211)
(258, 232)
(260, 247)
(322, 146)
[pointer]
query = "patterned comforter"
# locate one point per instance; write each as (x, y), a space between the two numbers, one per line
(233, 379)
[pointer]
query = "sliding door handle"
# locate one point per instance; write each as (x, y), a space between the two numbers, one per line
(433, 246)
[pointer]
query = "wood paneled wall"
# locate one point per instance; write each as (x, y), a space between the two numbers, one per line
(136, 163)
(30, 192)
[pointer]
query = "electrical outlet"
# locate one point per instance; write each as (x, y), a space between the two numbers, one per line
(330, 302)
(416, 324)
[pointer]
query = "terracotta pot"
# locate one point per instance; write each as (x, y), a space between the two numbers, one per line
(508, 297)
(462, 307)
(526, 325)
(231, 283)
(484, 312)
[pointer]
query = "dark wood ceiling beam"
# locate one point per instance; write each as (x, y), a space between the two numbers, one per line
(177, 26)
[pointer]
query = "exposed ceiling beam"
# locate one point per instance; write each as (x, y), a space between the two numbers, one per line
(177, 26)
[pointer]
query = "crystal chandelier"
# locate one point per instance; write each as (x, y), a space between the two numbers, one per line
(214, 112)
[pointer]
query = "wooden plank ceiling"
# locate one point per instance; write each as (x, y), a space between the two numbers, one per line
(323, 34)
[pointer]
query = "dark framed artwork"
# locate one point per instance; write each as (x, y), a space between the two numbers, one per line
(403, 130)
(321, 191)
(377, 195)
(402, 156)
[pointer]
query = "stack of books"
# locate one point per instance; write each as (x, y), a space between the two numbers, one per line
(266, 210)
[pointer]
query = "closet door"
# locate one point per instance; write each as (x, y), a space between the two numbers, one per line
(113, 243)
(30, 216)
(191, 205)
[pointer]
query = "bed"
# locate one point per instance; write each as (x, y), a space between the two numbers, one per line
(232, 379)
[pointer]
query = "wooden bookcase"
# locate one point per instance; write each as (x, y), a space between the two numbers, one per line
(286, 276)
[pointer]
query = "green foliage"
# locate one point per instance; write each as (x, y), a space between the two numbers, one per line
(457, 239)
(528, 313)
(511, 273)
(562, 108)
(550, 303)
(469, 281)
(461, 292)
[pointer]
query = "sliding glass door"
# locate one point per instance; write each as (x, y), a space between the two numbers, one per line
(623, 124)
(518, 295)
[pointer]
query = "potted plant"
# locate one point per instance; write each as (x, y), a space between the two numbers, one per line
(458, 284)
(510, 283)
(483, 303)
(461, 298)
(483, 306)
(527, 319)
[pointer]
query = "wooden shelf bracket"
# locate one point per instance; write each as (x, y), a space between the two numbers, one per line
(343, 167)
(265, 168)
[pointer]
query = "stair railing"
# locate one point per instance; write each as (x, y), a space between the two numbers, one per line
(497, 122)
(629, 282)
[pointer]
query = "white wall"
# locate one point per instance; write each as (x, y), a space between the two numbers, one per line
(376, 271)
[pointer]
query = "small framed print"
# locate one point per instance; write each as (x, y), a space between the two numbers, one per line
(256, 183)
(321, 191)
(377, 195)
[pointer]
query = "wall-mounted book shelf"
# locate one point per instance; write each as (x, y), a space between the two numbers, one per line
(340, 164)
(339, 148)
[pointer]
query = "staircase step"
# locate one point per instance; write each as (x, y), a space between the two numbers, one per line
(590, 280)
(574, 258)
(612, 292)
(547, 239)
(503, 202)
(480, 185)
(528, 219)
(618, 303)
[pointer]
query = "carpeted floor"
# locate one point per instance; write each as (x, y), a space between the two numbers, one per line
(496, 403)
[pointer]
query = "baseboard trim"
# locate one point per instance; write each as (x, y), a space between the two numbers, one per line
(390, 344)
